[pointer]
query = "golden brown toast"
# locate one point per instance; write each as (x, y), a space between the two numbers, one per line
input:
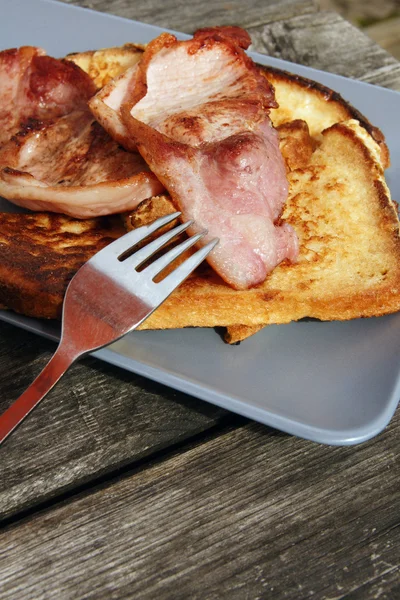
(105, 64)
(319, 106)
(40, 252)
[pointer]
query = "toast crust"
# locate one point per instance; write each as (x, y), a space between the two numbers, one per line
(321, 107)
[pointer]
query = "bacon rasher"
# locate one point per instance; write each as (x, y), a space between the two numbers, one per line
(198, 113)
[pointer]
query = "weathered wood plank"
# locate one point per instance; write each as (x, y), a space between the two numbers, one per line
(184, 15)
(326, 41)
(387, 34)
(245, 515)
(96, 420)
(290, 30)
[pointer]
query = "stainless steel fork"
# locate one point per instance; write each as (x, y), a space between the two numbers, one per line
(107, 298)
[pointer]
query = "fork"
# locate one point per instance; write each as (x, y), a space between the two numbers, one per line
(107, 298)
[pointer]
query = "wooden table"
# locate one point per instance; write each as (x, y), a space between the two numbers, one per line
(117, 487)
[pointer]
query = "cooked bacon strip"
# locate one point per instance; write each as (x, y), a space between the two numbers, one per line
(54, 156)
(33, 85)
(72, 166)
(198, 113)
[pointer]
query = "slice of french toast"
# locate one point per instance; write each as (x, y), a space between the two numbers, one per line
(40, 253)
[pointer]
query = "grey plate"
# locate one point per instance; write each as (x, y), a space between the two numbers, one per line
(335, 383)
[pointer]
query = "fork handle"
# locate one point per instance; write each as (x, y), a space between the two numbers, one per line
(44, 382)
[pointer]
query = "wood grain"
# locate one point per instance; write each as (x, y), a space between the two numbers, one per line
(189, 15)
(288, 29)
(96, 420)
(249, 514)
(326, 41)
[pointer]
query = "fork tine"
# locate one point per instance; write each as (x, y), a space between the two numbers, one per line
(159, 265)
(140, 256)
(177, 276)
(130, 239)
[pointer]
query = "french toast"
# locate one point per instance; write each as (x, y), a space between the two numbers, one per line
(40, 253)
(339, 206)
